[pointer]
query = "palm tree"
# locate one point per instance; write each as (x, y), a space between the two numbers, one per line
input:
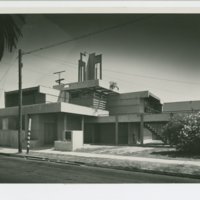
(10, 32)
(113, 85)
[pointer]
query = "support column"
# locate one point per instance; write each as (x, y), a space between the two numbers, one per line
(26, 125)
(130, 134)
(116, 130)
(64, 126)
(141, 128)
(61, 125)
(101, 69)
(79, 77)
(81, 74)
(93, 133)
(96, 73)
(82, 126)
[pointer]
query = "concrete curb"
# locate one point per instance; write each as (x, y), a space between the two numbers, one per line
(135, 169)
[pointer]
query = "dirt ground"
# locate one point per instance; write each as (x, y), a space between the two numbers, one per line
(159, 151)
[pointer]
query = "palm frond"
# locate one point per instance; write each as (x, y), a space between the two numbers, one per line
(10, 32)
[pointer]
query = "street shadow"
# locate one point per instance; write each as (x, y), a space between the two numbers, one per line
(176, 154)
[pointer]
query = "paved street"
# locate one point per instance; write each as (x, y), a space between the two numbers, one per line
(18, 170)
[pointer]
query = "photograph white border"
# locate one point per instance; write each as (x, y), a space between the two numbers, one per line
(29, 6)
(99, 191)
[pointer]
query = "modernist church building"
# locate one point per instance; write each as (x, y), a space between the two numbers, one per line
(91, 105)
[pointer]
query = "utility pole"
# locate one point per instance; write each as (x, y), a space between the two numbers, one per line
(59, 80)
(20, 101)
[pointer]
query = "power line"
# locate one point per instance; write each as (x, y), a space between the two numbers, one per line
(128, 74)
(161, 89)
(88, 34)
(64, 64)
(6, 72)
(45, 57)
(37, 72)
(154, 77)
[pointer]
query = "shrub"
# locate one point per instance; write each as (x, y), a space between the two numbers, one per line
(172, 129)
(183, 131)
(189, 135)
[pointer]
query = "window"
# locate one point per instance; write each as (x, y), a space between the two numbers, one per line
(68, 136)
(5, 124)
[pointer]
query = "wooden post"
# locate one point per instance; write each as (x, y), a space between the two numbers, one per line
(116, 130)
(141, 128)
(20, 102)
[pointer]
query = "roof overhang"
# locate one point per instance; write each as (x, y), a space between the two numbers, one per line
(54, 108)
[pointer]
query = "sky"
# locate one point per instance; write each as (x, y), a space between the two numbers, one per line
(159, 52)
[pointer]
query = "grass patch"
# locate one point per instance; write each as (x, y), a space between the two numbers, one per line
(162, 152)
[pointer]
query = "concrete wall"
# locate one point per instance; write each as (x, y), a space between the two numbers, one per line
(124, 104)
(9, 138)
(136, 102)
(43, 128)
(133, 133)
(29, 97)
(123, 133)
(73, 122)
(105, 134)
(152, 105)
(12, 122)
(158, 126)
(148, 134)
(77, 140)
(187, 106)
(89, 130)
(81, 99)
(99, 133)
(67, 122)
(46, 128)
(128, 133)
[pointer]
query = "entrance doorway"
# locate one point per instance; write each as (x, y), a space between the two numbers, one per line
(49, 133)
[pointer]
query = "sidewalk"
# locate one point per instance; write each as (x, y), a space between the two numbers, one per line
(172, 167)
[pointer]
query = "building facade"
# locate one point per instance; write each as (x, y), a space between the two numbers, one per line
(91, 105)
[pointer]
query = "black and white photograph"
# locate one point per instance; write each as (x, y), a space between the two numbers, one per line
(99, 98)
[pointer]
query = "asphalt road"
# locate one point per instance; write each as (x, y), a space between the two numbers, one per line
(19, 170)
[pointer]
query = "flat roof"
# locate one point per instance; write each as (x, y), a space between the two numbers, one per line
(90, 85)
(39, 88)
(138, 94)
(181, 106)
(54, 108)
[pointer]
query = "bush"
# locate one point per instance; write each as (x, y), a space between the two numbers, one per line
(189, 136)
(184, 132)
(172, 129)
